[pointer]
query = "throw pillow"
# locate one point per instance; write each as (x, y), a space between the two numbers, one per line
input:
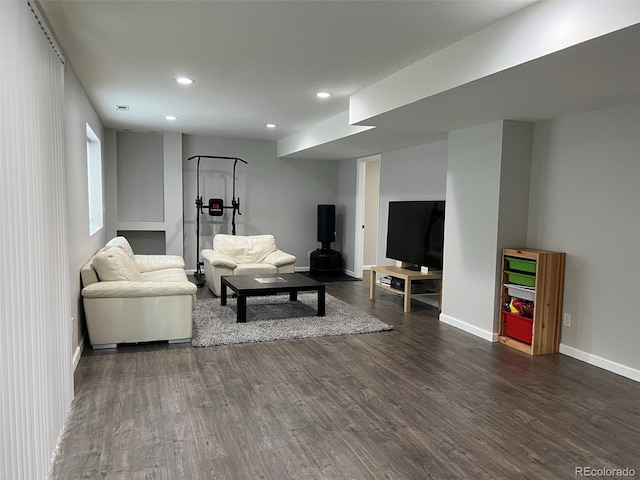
(116, 264)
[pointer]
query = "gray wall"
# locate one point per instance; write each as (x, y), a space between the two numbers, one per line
(581, 176)
(515, 177)
(79, 112)
(585, 202)
(144, 190)
(371, 213)
(416, 173)
(277, 196)
(471, 218)
(346, 210)
(487, 206)
(140, 177)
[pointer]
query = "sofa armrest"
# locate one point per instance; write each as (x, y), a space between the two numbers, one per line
(151, 263)
(279, 258)
(129, 289)
(218, 259)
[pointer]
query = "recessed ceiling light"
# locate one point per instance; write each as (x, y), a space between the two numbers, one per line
(185, 80)
(270, 125)
(323, 94)
(171, 117)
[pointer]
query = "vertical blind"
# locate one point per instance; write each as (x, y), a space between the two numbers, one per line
(35, 330)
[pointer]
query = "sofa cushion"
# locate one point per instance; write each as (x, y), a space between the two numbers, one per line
(245, 249)
(121, 242)
(151, 263)
(165, 275)
(127, 289)
(113, 264)
(255, 269)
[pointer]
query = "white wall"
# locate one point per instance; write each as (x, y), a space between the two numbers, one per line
(585, 202)
(277, 196)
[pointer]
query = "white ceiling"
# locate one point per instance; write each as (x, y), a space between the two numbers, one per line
(258, 62)
(254, 62)
(596, 74)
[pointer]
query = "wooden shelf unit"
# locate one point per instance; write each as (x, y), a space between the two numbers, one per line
(549, 286)
(408, 276)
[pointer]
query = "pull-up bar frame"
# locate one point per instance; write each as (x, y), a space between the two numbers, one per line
(235, 206)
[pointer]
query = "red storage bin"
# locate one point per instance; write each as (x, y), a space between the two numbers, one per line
(518, 327)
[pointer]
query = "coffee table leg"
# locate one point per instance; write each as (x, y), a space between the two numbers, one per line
(223, 294)
(242, 309)
(321, 301)
(293, 296)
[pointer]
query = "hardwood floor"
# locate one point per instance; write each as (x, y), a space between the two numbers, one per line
(424, 400)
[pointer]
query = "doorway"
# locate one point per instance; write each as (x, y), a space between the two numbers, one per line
(367, 213)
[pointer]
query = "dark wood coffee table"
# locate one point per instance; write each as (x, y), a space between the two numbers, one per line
(261, 285)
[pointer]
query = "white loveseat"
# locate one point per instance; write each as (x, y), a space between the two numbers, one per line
(244, 255)
(131, 298)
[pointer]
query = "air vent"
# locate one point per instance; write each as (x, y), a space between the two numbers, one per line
(122, 108)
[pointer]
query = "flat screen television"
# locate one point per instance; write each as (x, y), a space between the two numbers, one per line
(415, 233)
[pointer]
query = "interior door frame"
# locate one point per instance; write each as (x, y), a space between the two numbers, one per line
(360, 196)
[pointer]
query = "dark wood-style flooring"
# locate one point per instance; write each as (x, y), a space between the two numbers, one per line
(424, 400)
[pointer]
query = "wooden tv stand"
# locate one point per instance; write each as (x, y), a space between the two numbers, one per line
(408, 276)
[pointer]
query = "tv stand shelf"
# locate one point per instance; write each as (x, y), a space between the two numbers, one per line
(408, 276)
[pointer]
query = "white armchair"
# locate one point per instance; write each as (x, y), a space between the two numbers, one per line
(243, 255)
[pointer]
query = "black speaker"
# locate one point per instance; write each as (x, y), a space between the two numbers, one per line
(326, 223)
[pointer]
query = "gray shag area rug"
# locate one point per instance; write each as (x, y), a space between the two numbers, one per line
(276, 318)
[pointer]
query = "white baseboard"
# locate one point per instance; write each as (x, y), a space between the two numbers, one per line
(603, 363)
(190, 271)
(302, 269)
(467, 327)
(77, 354)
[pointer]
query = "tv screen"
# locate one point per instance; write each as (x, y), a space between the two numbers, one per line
(415, 233)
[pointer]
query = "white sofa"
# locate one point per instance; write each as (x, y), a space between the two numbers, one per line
(131, 298)
(244, 255)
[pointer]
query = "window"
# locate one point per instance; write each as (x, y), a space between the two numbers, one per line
(94, 181)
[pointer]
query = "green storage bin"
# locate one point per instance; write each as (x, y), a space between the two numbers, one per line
(521, 278)
(521, 265)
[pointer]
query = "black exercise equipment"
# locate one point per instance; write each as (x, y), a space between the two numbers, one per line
(325, 261)
(326, 225)
(215, 208)
(216, 205)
